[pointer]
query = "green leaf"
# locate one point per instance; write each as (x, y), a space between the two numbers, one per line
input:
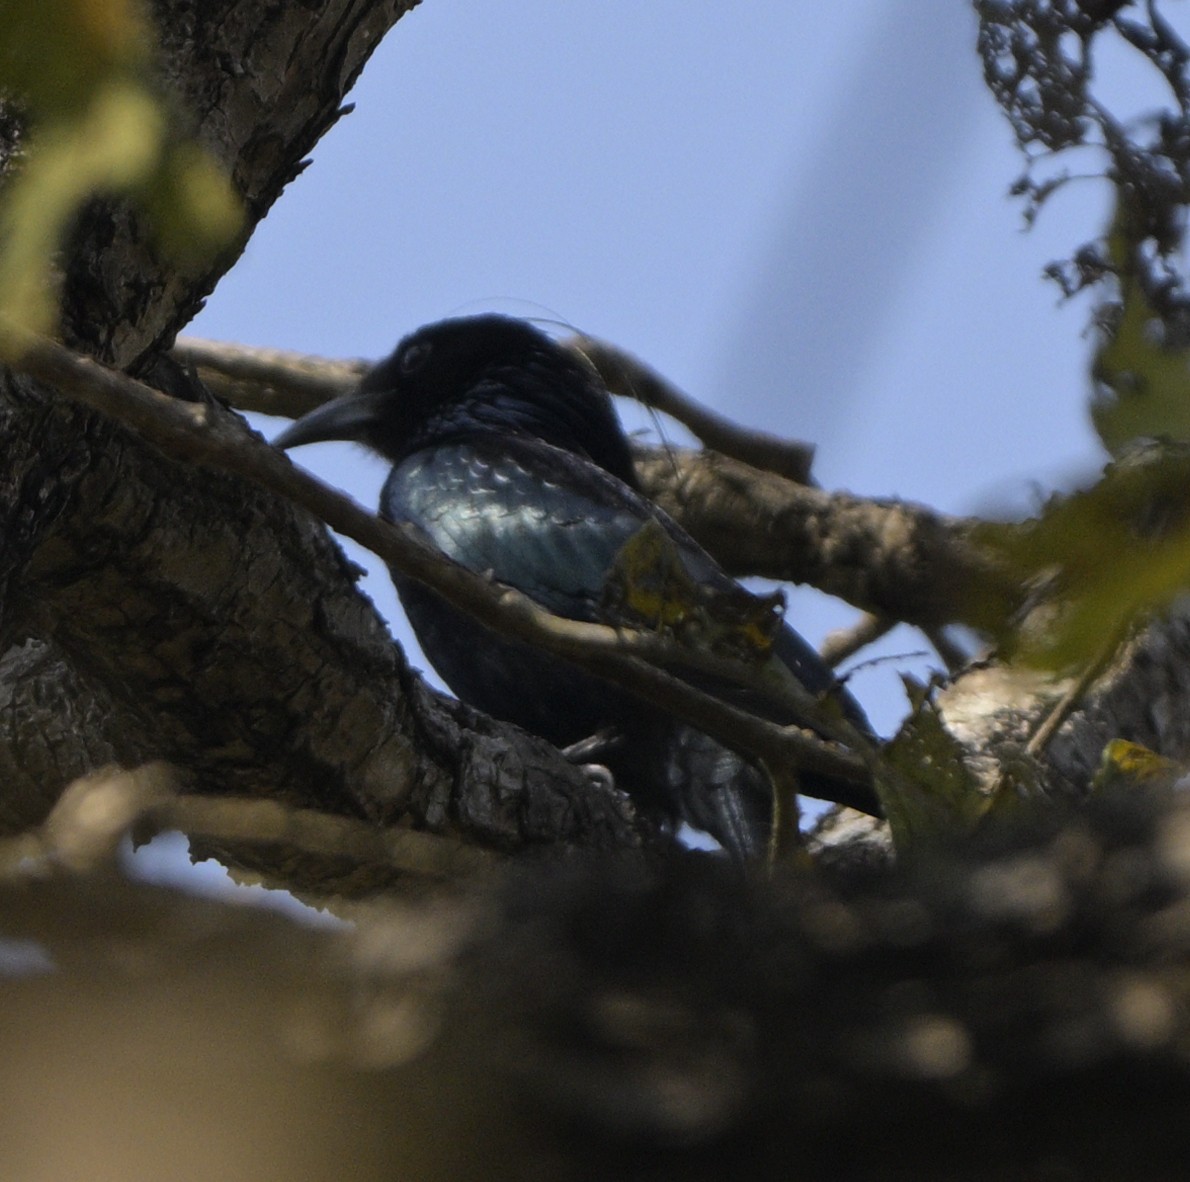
(1130, 767)
(927, 792)
(649, 587)
(111, 145)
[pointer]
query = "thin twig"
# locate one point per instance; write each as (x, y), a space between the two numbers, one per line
(630, 377)
(1075, 692)
(846, 642)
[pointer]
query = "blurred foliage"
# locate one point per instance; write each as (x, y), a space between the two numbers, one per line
(79, 73)
(1101, 557)
(928, 793)
(1142, 378)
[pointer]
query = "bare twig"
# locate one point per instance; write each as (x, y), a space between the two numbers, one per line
(1075, 692)
(269, 381)
(630, 377)
(846, 642)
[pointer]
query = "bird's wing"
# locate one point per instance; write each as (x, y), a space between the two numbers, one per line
(552, 524)
(546, 522)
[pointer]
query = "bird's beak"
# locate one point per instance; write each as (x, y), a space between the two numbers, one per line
(350, 417)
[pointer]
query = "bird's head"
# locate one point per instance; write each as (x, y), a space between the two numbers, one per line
(477, 375)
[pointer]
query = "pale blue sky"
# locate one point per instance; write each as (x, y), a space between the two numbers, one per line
(796, 211)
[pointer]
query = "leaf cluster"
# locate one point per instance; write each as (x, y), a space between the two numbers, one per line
(81, 74)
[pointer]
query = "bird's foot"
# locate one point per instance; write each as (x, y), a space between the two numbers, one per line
(598, 776)
(585, 751)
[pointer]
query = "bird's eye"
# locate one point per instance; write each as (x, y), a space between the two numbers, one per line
(413, 357)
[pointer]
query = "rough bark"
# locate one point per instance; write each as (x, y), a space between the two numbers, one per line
(257, 84)
(902, 561)
(219, 624)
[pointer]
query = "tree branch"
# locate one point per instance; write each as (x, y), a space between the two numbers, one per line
(894, 559)
(630, 377)
(96, 812)
(267, 381)
(203, 434)
(891, 558)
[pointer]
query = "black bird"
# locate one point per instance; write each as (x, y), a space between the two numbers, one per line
(507, 454)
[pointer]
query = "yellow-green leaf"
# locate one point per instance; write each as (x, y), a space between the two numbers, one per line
(1105, 556)
(112, 145)
(77, 69)
(1127, 766)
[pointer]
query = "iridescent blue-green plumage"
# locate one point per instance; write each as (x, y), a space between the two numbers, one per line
(508, 456)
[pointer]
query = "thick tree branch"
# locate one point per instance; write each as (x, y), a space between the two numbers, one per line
(58, 723)
(891, 558)
(231, 641)
(192, 617)
(259, 84)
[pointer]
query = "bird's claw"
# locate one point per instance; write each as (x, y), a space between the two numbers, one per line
(598, 776)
